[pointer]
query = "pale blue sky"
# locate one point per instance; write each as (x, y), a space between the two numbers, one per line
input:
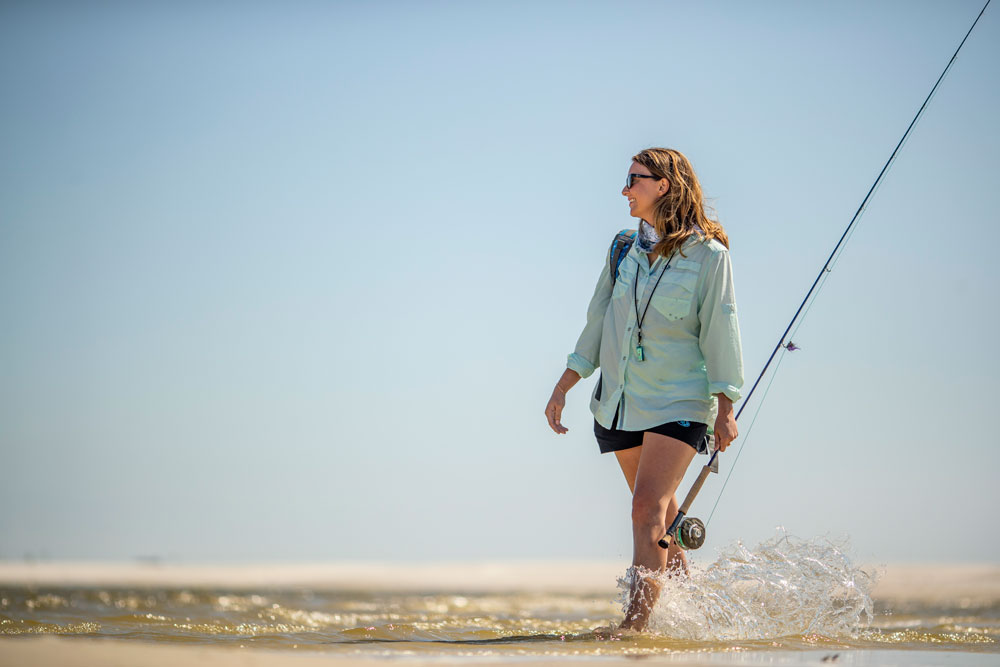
(293, 281)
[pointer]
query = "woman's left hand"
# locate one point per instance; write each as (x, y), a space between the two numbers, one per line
(725, 423)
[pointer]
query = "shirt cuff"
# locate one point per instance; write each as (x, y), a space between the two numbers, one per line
(582, 367)
(731, 392)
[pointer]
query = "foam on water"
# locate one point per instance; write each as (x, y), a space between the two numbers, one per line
(784, 586)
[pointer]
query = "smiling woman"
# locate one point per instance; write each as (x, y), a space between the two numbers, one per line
(662, 326)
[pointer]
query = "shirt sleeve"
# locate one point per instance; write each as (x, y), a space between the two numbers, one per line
(720, 330)
(586, 357)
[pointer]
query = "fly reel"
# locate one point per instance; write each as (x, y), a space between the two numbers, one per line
(691, 534)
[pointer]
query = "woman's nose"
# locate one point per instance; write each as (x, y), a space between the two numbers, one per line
(625, 191)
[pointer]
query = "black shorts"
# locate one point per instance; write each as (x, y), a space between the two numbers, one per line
(613, 440)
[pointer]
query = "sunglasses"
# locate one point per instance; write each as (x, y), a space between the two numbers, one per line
(632, 178)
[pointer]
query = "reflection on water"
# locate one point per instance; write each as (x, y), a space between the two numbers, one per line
(783, 594)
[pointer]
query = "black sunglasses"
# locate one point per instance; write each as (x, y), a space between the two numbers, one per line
(630, 181)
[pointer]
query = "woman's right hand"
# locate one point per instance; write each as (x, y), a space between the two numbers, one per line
(553, 411)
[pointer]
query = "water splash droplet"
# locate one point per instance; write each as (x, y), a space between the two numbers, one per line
(784, 586)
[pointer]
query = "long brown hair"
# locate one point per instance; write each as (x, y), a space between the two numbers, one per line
(681, 210)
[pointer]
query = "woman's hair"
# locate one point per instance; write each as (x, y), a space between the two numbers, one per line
(681, 210)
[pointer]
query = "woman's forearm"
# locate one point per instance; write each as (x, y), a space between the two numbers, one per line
(568, 379)
(725, 405)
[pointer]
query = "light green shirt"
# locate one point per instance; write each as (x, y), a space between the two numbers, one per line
(690, 338)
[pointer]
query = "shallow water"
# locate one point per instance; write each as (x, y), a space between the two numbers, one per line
(783, 595)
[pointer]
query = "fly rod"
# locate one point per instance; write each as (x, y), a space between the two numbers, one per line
(689, 532)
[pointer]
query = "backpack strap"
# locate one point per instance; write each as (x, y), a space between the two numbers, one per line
(619, 248)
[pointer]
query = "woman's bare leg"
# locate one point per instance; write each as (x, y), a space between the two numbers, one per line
(659, 467)
(628, 459)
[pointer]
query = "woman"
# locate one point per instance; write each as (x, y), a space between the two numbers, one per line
(662, 326)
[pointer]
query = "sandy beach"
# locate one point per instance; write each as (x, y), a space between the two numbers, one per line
(455, 576)
(923, 582)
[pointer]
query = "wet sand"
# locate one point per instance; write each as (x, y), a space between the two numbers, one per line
(50, 651)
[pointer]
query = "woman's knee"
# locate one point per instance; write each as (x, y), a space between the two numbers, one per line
(648, 513)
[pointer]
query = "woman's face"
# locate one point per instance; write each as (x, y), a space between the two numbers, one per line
(643, 192)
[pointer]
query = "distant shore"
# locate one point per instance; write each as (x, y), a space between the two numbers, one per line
(974, 583)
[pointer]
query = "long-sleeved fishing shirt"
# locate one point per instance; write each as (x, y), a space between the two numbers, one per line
(690, 338)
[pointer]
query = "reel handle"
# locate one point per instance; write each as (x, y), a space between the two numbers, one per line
(672, 531)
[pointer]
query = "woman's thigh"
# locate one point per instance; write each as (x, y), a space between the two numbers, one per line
(661, 467)
(628, 459)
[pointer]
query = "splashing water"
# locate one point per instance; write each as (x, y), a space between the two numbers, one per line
(784, 586)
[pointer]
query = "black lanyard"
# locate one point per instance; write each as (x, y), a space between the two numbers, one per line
(639, 318)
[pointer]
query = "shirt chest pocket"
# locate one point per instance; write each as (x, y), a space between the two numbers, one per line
(675, 293)
(623, 284)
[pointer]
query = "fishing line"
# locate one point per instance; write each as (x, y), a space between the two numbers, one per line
(746, 439)
(830, 263)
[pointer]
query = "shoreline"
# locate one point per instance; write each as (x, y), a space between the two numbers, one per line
(968, 583)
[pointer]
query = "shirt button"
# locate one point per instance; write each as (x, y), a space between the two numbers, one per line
(624, 358)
